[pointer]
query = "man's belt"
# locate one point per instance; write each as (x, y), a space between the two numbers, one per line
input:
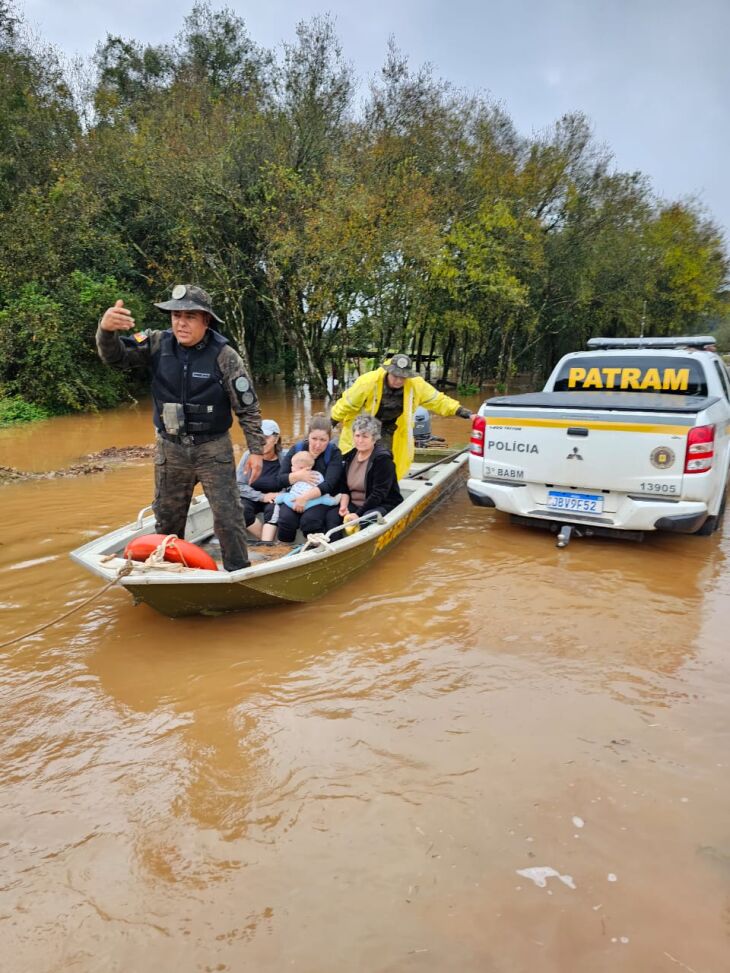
(191, 439)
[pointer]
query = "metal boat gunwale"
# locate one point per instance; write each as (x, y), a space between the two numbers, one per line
(90, 554)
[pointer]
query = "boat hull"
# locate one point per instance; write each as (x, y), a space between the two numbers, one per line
(292, 579)
(298, 584)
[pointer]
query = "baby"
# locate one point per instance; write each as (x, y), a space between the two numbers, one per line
(301, 460)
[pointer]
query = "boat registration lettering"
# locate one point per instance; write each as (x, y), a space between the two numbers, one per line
(403, 524)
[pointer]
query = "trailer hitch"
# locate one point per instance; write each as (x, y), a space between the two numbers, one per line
(564, 535)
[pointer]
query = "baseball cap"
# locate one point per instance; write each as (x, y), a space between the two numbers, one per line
(270, 428)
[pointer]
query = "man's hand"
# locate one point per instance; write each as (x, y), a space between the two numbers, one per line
(463, 413)
(253, 467)
(117, 318)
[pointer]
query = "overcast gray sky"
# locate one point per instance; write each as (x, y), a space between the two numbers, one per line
(652, 75)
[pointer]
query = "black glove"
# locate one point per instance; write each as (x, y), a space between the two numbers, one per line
(463, 413)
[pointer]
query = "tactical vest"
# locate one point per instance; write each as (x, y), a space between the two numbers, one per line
(191, 377)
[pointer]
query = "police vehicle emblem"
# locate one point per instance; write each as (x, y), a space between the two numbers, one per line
(179, 291)
(662, 457)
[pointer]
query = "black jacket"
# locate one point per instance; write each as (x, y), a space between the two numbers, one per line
(381, 484)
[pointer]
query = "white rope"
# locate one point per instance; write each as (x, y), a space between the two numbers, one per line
(125, 569)
(156, 560)
(171, 566)
(317, 540)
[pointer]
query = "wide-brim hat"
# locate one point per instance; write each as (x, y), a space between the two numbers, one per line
(188, 297)
(399, 365)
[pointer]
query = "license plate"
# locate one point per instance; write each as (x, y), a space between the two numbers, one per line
(585, 503)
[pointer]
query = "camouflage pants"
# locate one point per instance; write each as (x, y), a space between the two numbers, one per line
(177, 470)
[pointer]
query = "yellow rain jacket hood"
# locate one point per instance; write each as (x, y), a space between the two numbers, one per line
(365, 395)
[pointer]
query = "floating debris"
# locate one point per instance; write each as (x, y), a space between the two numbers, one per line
(540, 874)
(93, 463)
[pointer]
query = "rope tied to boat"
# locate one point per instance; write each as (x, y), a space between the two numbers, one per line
(316, 540)
(125, 569)
(157, 560)
(325, 542)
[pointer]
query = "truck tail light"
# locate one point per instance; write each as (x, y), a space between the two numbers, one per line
(478, 425)
(700, 449)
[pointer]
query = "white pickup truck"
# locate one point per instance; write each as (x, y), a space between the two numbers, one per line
(632, 435)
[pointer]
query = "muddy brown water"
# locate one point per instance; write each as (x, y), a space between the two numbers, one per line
(374, 782)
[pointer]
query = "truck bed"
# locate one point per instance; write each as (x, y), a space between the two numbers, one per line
(618, 401)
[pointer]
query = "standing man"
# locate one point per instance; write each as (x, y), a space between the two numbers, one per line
(392, 393)
(197, 378)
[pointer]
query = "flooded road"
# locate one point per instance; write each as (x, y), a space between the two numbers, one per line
(484, 754)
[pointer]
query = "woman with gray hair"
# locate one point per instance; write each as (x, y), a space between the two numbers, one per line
(368, 478)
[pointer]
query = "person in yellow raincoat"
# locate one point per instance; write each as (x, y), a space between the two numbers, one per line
(392, 393)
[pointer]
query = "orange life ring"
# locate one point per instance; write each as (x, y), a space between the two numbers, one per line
(177, 551)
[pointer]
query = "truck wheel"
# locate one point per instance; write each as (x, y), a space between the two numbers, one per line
(713, 523)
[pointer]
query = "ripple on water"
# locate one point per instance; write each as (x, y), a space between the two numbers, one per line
(34, 562)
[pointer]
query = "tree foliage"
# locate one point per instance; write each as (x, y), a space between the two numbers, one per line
(329, 222)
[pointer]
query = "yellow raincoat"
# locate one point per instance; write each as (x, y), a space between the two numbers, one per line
(364, 396)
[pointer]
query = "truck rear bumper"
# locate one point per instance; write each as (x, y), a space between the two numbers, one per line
(682, 523)
(632, 513)
(480, 500)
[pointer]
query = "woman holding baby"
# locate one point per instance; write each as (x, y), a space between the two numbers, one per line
(322, 479)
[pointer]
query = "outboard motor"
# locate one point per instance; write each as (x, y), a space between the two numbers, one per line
(422, 429)
(422, 426)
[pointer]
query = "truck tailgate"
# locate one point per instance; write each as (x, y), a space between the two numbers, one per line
(621, 450)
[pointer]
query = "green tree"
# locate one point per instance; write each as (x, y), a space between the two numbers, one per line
(689, 267)
(47, 353)
(38, 121)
